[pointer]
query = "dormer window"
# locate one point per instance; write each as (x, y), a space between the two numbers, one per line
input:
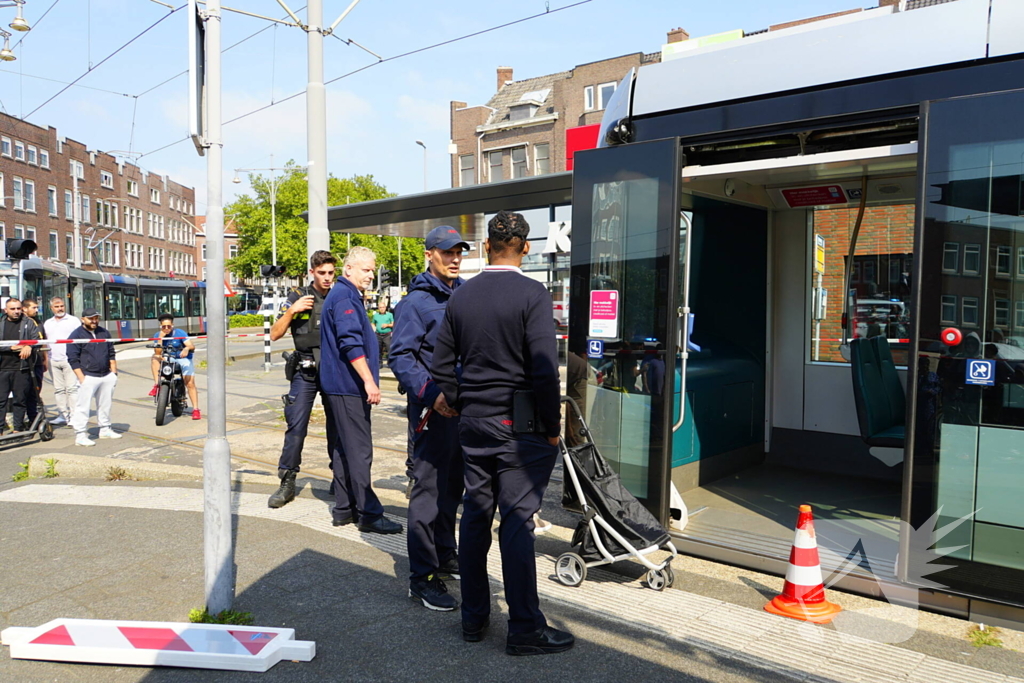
(520, 112)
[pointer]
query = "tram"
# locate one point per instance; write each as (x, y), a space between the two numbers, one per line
(822, 232)
(129, 307)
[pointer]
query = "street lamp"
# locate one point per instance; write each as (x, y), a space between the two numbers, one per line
(6, 54)
(420, 143)
(19, 23)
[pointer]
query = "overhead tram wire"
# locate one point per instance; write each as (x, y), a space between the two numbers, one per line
(98, 65)
(382, 61)
(54, 80)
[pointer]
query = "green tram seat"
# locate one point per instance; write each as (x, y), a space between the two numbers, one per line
(881, 402)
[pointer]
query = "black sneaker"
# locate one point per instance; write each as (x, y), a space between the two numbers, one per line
(544, 641)
(381, 525)
(474, 633)
(432, 592)
(449, 569)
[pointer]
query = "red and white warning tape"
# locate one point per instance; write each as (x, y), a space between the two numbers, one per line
(50, 342)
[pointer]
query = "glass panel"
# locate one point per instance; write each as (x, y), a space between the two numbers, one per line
(128, 303)
(622, 313)
(879, 284)
(969, 402)
(114, 304)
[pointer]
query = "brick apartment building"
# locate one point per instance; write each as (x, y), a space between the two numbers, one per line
(131, 222)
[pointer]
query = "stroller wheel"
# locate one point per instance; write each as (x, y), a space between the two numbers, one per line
(660, 579)
(570, 569)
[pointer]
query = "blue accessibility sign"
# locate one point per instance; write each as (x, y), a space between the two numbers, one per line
(595, 348)
(981, 372)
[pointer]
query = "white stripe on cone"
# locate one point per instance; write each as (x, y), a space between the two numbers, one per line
(806, 577)
(804, 540)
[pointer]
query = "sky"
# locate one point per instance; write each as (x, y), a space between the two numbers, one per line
(374, 117)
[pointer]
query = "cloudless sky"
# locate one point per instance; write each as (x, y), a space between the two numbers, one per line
(373, 117)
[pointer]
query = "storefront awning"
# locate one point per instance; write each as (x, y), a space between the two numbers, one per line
(415, 215)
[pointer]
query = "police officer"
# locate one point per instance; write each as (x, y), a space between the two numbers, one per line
(498, 326)
(303, 319)
(434, 426)
(350, 378)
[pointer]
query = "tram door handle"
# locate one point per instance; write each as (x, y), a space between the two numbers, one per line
(684, 354)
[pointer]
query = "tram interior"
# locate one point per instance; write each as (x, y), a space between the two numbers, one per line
(771, 420)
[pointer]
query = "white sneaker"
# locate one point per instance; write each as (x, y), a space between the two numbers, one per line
(84, 440)
(540, 526)
(59, 420)
(108, 433)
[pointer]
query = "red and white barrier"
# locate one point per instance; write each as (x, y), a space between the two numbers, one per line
(153, 643)
(112, 340)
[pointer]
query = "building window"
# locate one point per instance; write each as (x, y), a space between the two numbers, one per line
(604, 94)
(30, 196)
(3, 192)
(949, 309)
(19, 232)
(1002, 316)
(33, 156)
(495, 169)
(133, 188)
(17, 189)
(951, 257)
(84, 215)
(232, 251)
(69, 248)
(54, 241)
(51, 200)
(1018, 314)
(5, 147)
(107, 179)
(154, 195)
(541, 159)
(203, 254)
(519, 165)
(588, 98)
(19, 151)
(44, 159)
(467, 170)
(69, 204)
(969, 311)
(1002, 260)
(972, 259)
(77, 169)
(1020, 261)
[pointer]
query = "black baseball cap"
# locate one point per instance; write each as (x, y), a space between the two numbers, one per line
(444, 237)
(90, 312)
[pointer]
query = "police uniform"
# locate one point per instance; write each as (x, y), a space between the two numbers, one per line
(305, 383)
(498, 327)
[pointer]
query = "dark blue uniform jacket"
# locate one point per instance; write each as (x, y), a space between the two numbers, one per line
(346, 335)
(417, 318)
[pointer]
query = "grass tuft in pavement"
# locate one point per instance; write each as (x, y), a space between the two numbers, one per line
(228, 616)
(982, 636)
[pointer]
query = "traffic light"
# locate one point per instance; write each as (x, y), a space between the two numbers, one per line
(384, 277)
(20, 249)
(271, 271)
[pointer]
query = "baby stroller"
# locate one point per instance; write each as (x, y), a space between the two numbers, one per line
(615, 525)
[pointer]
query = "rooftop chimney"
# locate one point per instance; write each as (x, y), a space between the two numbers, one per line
(678, 35)
(504, 75)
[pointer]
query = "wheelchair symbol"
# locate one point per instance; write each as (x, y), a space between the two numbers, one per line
(981, 372)
(595, 348)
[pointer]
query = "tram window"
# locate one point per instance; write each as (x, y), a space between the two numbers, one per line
(114, 304)
(178, 305)
(128, 305)
(879, 289)
(197, 302)
(163, 303)
(91, 298)
(149, 305)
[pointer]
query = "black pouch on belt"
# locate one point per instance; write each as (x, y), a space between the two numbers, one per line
(291, 362)
(524, 413)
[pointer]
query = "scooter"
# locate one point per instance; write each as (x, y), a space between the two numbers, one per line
(40, 427)
(171, 389)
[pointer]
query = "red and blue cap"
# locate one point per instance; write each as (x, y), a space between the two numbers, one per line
(444, 237)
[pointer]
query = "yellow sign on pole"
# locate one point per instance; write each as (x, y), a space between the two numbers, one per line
(819, 254)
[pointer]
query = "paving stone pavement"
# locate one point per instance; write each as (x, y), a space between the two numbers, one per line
(780, 648)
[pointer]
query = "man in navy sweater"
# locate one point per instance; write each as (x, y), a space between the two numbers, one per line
(499, 327)
(434, 426)
(349, 376)
(95, 365)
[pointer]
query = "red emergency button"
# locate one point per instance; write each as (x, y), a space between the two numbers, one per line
(951, 336)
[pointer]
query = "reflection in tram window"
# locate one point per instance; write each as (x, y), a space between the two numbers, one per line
(178, 305)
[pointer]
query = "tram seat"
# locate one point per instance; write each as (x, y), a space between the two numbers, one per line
(881, 403)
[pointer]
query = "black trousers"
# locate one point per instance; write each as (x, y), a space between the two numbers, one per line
(18, 383)
(511, 471)
(33, 400)
(301, 395)
(352, 458)
(384, 344)
(437, 470)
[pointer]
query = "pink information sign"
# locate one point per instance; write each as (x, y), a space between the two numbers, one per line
(604, 313)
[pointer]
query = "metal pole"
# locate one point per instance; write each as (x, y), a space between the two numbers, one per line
(317, 236)
(76, 209)
(266, 341)
(273, 212)
(218, 542)
(424, 168)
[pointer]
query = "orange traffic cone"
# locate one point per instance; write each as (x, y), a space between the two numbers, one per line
(803, 596)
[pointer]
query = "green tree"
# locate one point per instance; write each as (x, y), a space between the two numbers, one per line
(251, 220)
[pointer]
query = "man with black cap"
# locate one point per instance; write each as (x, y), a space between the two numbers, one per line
(95, 365)
(498, 327)
(434, 426)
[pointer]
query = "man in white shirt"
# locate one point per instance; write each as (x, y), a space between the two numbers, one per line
(65, 384)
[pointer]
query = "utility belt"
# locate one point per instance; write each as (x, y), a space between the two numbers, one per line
(301, 361)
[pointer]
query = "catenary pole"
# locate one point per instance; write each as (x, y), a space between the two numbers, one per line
(218, 542)
(317, 236)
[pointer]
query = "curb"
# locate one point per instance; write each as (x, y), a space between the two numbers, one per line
(76, 466)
